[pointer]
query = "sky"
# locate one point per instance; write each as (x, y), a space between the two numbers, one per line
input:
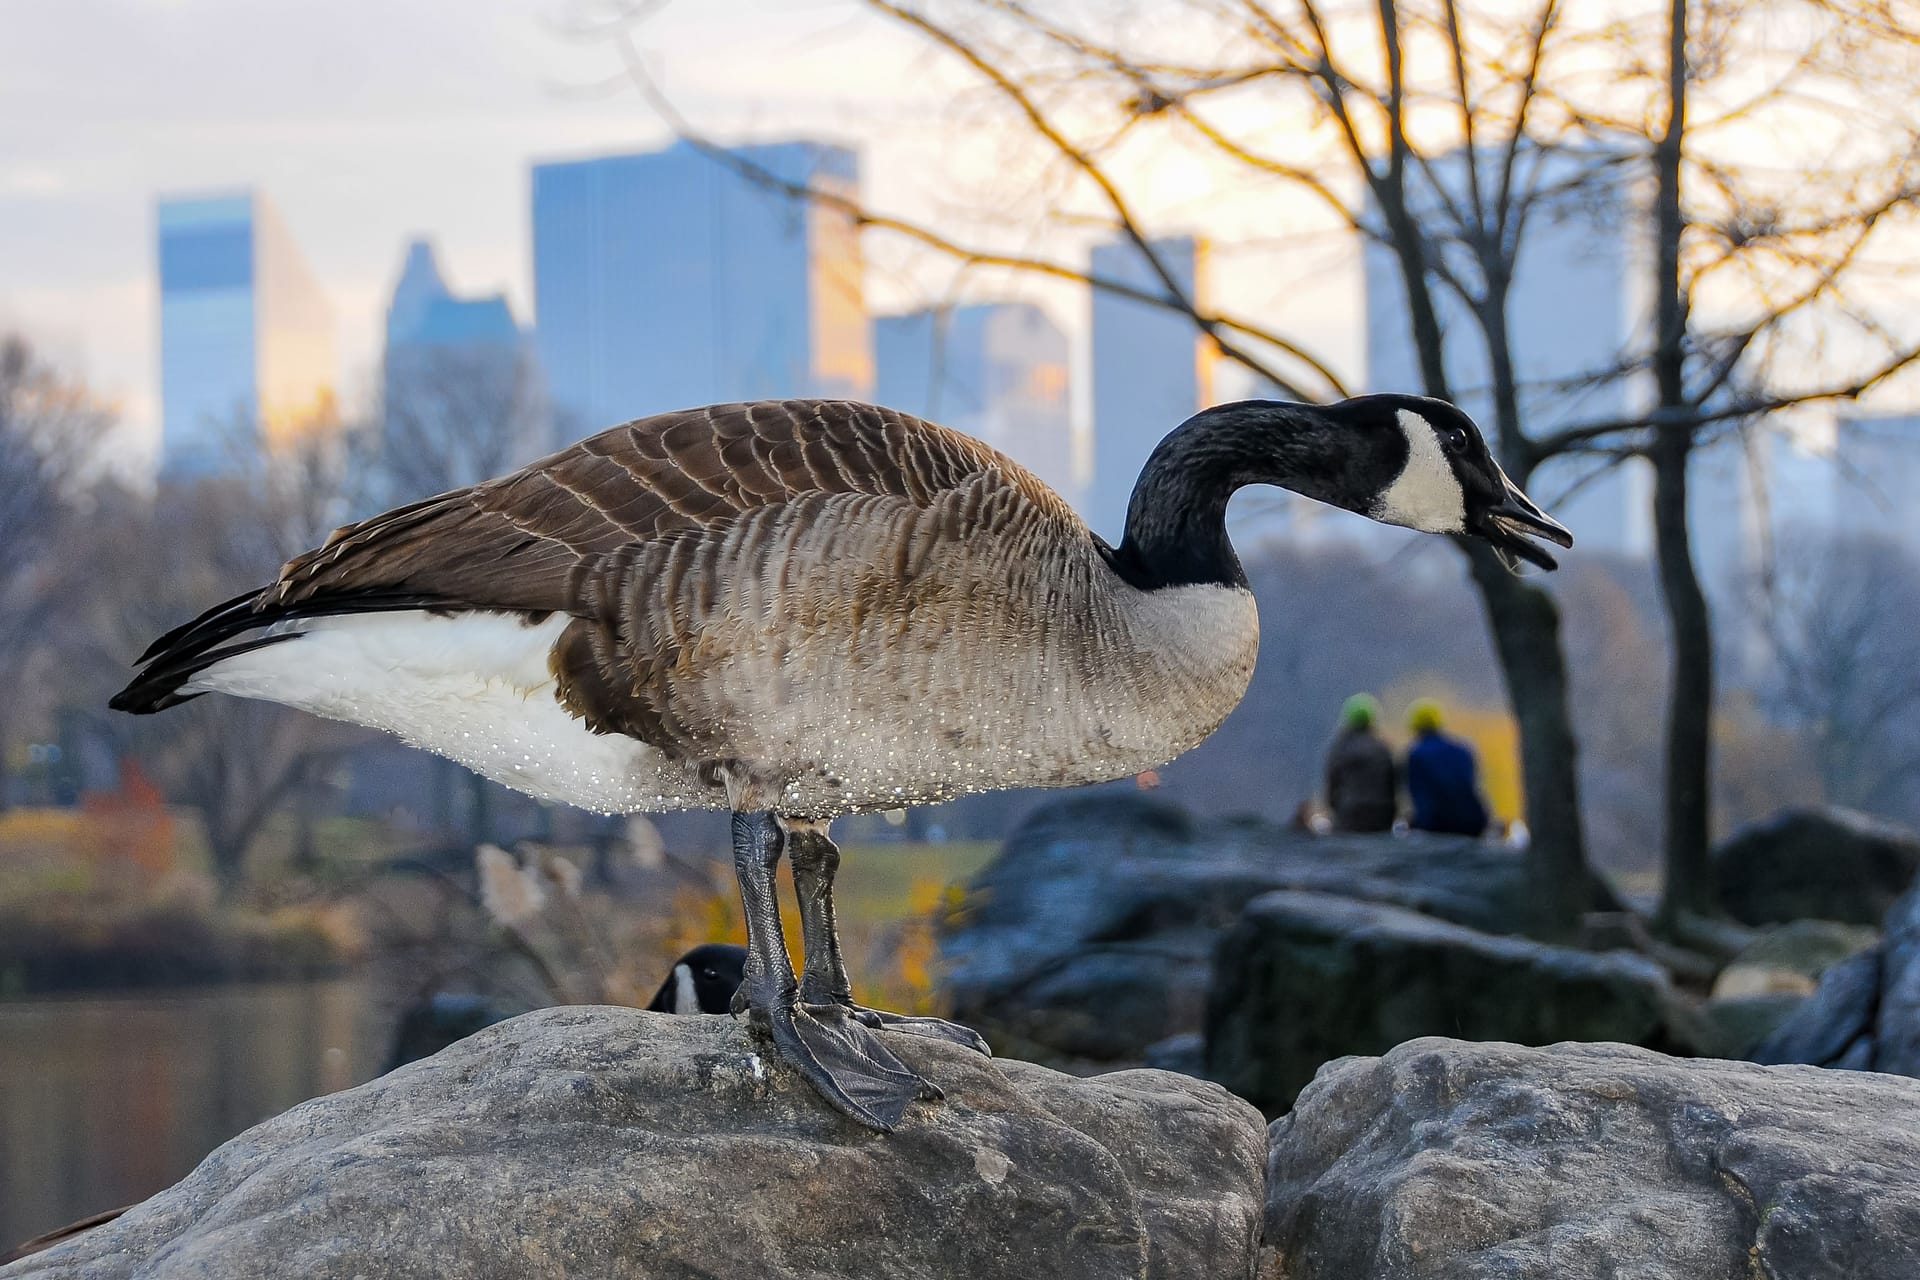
(368, 122)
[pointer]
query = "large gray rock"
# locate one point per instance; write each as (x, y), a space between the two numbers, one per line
(1829, 864)
(588, 1142)
(1865, 1016)
(1307, 977)
(1092, 935)
(1592, 1162)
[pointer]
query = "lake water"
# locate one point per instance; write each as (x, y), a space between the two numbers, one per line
(105, 1100)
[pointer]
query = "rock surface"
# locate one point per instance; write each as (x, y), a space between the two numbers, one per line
(1865, 1016)
(1584, 1162)
(1829, 864)
(1091, 936)
(1307, 977)
(587, 1142)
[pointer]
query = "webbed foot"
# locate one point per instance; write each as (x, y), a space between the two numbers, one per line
(845, 1064)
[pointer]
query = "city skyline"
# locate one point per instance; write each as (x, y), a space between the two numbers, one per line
(1004, 369)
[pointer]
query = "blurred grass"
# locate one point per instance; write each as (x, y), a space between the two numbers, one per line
(877, 882)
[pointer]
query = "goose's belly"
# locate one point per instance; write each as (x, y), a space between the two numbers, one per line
(927, 720)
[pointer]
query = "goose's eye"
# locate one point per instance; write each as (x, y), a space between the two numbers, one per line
(708, 974)
(1454, 437)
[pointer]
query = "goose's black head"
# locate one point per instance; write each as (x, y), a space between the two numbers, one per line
(1427, 467)
(1405, 460)
(703, 980)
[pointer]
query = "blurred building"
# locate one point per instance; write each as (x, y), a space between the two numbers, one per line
(424, 313)
(669, 279)
(1570, 314)
(246, 338)
(1876, 465)
(996, 371)
(460, 400)
(1152, 369)
(1801, 484)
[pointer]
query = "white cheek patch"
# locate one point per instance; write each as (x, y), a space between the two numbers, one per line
(1426, 495)
(685, 998)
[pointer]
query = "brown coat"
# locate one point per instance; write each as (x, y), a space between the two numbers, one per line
(1361, 782)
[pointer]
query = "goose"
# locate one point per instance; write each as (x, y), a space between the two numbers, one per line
(704, 980)
(800, 609)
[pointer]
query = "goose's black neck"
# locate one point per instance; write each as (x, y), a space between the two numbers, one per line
(1176, 531)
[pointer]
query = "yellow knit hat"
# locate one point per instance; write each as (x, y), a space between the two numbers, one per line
(1424, 716)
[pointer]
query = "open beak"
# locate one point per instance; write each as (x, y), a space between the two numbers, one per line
(1512, 526)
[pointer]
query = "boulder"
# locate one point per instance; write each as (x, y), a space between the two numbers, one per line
(1788, 959)
(1830, 864)
(1835, 1025)
(1585, 1161)
(1897, 1019)
(1307, 977)
(1091, 936)
(585, 1142)
(1865, 1016)
(1730, 1026)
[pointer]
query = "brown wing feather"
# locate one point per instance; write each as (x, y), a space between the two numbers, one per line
(522, 542)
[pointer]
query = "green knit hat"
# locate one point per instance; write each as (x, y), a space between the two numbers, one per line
(1360, 711)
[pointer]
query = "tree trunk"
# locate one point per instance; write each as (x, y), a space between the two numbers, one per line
(480, 811)
(1525, 622)
(6, 771)
(1689, 885)
(227, 851)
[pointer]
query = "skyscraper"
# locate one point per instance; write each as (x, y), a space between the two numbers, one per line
(425, 313)
(246, 338)
(669, 279)
(997, 371)
(1569, 316)
(460, 399)
(1152, 370)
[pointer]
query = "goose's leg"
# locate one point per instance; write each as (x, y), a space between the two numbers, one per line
(824, 983)
(838, 1057)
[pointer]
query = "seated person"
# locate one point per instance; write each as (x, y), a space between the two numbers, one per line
(1361, 778)
(1442, 777)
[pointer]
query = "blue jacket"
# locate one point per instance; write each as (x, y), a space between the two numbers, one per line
(1442, 781)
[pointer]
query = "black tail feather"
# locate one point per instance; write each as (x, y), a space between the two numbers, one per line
(158, 687)
(192, 647)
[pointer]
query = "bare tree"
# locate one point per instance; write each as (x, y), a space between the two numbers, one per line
(1783, 144)
(155, 562)
(456, 415)
(50, 430)
(1847, 671)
